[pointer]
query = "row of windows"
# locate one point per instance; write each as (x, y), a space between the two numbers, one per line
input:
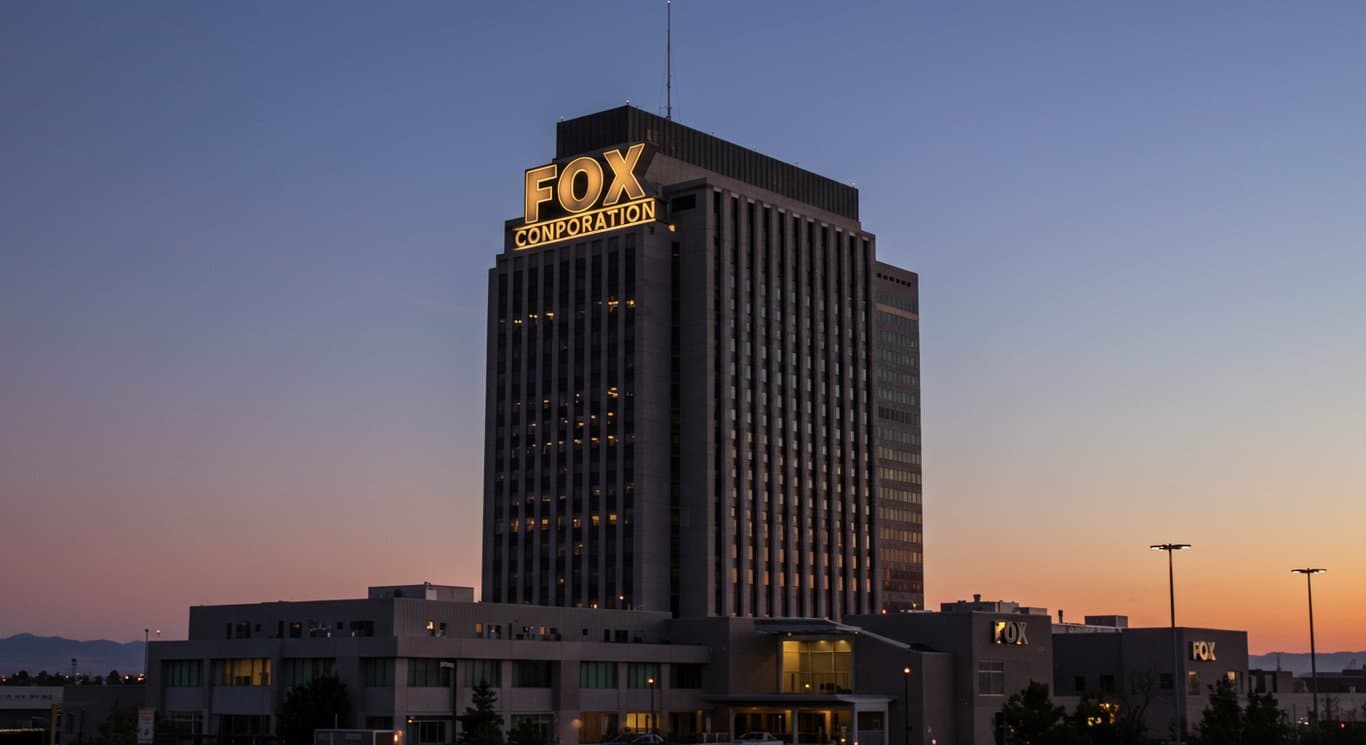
(895, 456)
(181, 673)
(254, 671)
(895, 396)
(896, 280)
(899, 534)
(531, 674)
(895, 435)
(898, 415)
(896, 377)
(378, 672)
(576, 521)
(892, 493)
(895, 322)
(548, 317)
(300, 671)
(902, 556)
(896, 357)
(898, 474)
(901, 340)
(301, 629)
(898, 301)
(896, 514)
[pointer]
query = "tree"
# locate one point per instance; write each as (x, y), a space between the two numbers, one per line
(1222, 721)
(321, 703)
(1030, 718)
(527, 733)
(119, 728)
(1264, 723)
(1102, 722)
(483, 725)
(113, 678)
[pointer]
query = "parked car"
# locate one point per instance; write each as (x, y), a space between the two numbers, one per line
(636, 738)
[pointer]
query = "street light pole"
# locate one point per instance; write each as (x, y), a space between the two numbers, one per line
(906, 700)
(653, 728)
(1178, 682)
(1313, 656)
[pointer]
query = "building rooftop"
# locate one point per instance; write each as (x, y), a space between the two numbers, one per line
(628, 124)
(978, 605)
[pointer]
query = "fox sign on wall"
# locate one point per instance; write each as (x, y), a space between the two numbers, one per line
(1010, 632)
(1202, 651)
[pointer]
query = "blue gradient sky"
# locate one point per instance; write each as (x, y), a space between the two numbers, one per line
(243, 253)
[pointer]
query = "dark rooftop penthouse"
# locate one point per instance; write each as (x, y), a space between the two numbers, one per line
(625, 124)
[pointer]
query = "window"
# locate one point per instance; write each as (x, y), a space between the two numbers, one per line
(249, 671)
(181, 673)
(544, 724)
(1079, 684)
(597, 675)
(243, 724)
(1107, 683)
(685, 675)
(362, 628)
(1165, 681)
(531, 674)
(377, 672)
(817, 666)
(1193, 681)
(638, 674)
(239, 631)
(483, 671)
(185, 723)
(426, 731)
(424, 673)
(297, 672)
(991, 678)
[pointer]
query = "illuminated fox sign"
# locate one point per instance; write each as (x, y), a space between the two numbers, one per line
(1010, 632)
(1202, 651)
(591, 197)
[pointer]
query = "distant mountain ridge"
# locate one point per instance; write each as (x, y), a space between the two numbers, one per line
(54, 653)
(1298, 662)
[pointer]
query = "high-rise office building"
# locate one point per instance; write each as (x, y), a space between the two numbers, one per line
(702, 386)
(896, 315)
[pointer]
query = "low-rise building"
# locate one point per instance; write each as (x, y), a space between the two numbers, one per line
(412, 655)
(1134, 667)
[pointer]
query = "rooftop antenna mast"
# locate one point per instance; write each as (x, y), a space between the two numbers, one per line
(669, 59)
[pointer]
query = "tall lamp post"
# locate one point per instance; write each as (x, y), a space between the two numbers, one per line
(906, 700)
(654, 729)
(1178, 689)
(1313, 658)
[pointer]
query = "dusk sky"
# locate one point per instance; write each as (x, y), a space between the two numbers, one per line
(244, 253)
